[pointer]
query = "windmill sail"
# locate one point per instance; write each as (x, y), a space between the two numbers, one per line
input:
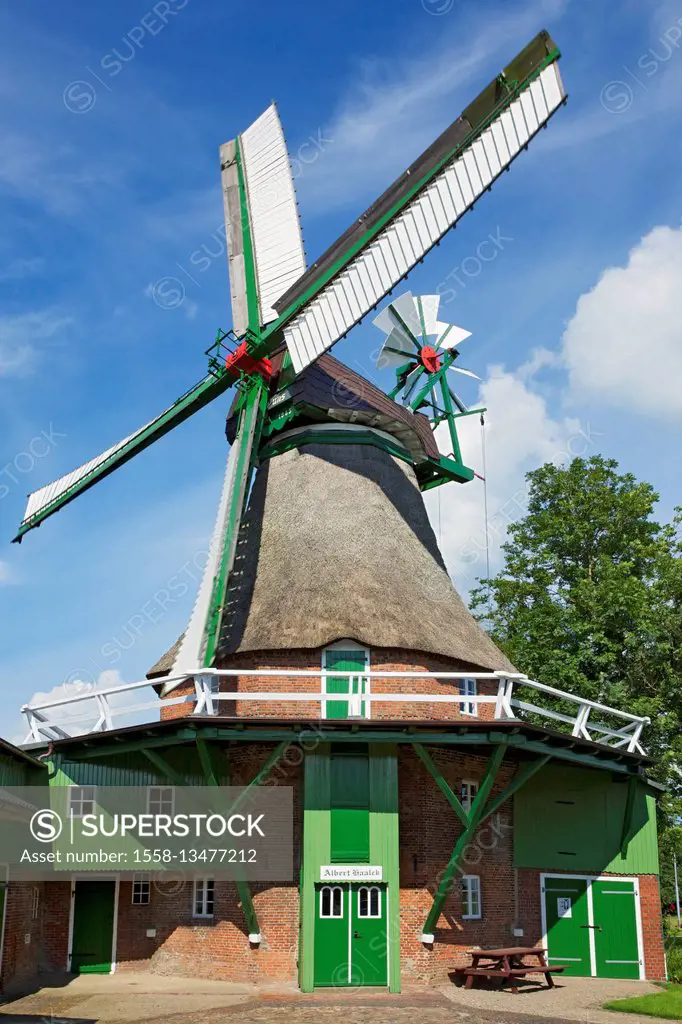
(265, 248)
(49, 499)
(396, 232)
(198, 643)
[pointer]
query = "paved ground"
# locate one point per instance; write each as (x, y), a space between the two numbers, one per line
(157, 999)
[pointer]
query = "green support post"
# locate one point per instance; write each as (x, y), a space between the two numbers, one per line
(628, 814)
(442, 783)
(474, 818)
(212, 777)
(164, 767)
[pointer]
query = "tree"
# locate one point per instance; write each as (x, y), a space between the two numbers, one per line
(590, 600)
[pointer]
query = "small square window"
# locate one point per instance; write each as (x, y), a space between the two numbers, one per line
(81, 800)
(468, 688)
(141, 890)
(160, 800)
(471, 897)
(467, 793)
(204, 897)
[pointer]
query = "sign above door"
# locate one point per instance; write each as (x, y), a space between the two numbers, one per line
(351, 873)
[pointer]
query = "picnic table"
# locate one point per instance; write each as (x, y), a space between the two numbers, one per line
(509, 965)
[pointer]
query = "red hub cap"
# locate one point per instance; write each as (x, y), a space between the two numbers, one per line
(430, 359)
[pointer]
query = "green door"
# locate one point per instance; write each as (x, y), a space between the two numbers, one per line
(344, 661)
(332, 920)
(93, 927)
(351, 936)
(567, 920)
(369, 940)
(615, 932)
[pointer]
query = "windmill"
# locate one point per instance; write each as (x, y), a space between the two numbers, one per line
(422, 349)
(285, 318)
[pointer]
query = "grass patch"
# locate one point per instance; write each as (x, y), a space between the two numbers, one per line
(667, 1003)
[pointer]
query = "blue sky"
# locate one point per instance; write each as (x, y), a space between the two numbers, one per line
(111, 117)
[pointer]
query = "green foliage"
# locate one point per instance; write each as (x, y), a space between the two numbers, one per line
(590, 600)
(666, 1004)
(673, 956)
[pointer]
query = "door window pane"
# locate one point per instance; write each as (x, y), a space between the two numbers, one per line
(369, 901)
(331, 901)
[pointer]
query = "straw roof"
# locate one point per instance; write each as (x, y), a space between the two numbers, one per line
(336, 543)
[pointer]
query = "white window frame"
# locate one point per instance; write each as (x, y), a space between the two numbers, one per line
(467, 793)
(160, 809)
(140, 880)
(332, 916)
(370, 889)
(204, 899)
(347, 645)
(469, 885)
(468, 688)
(76, 799)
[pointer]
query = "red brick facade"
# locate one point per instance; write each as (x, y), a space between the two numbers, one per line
(382, 660)
(219, 948)
(21, 953)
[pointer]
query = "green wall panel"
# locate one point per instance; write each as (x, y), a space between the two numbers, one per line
(571, 819)
(316, 851)
(383, 846)
(20, 773)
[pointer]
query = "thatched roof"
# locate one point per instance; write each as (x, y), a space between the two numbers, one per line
(336, 543)
(165, 662)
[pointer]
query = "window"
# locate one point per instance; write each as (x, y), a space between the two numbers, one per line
(160, 799)
(467, 688)
(141, 890)
(35, 903)
(369, 901)
(467, 793)
(331, 901)
(350, 657)
(81, 800)
(471, 897)
(203, 897)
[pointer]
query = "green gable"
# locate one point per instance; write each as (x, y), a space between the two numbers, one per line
(573, 819)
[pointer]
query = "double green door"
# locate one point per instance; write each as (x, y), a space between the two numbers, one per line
(591, 926)
(351, 944)
(93, 927)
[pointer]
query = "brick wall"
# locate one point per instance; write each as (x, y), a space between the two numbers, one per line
(219, 947)
(23, 934)
(429, 830)
(381, 659)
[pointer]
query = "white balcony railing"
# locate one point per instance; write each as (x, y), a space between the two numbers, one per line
(95, 710)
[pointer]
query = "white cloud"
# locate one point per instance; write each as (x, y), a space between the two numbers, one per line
(623, 341)
(395, 108)
(6, 576)
(80, 717)
(20, 335)
(520, 434)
